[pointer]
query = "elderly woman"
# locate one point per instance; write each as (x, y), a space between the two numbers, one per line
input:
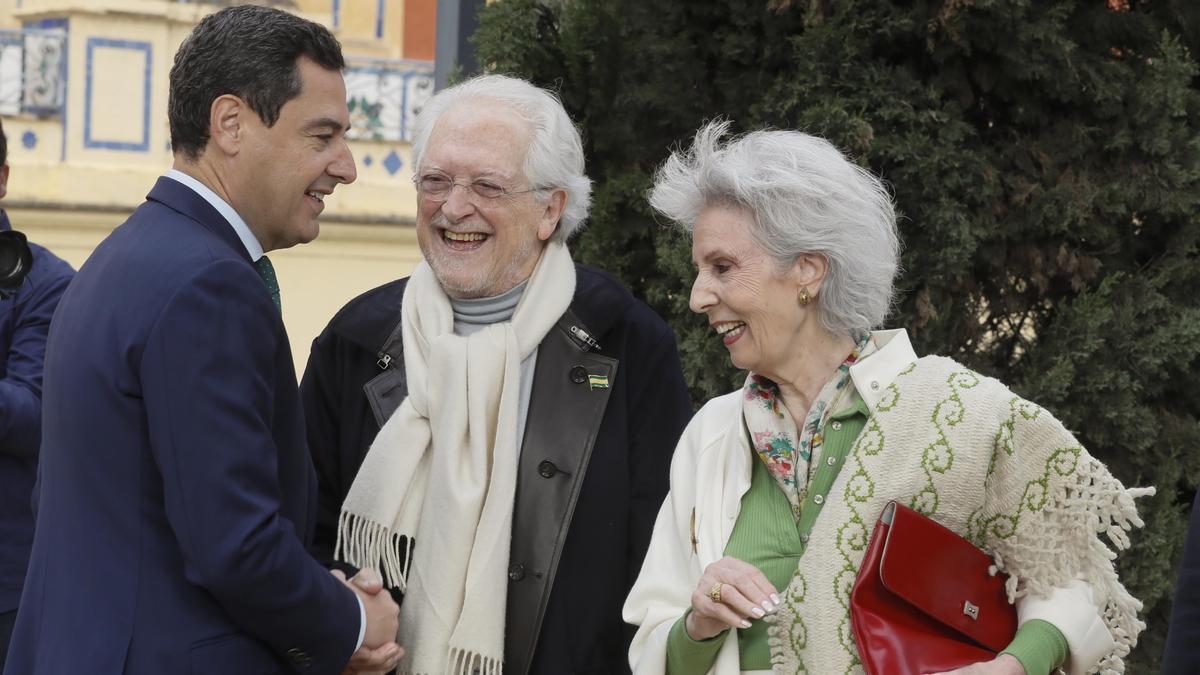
(775, 488)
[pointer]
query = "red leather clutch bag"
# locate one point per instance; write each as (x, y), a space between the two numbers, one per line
(924, 601)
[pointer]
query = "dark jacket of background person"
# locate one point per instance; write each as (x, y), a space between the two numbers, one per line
(1182, 655)
(565, 618)
(175, 490)
(24, 324)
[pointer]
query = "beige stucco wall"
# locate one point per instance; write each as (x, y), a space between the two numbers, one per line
(112, 45)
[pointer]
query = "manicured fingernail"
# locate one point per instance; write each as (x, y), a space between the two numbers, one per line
(758, 613)
(767, 605)
(745, 624)
(775, 599)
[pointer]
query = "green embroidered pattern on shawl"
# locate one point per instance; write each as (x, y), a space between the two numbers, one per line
(1017, 407)
(854, 535)
(938, 457)
(1013, 470)
(1062, 463)
(795, 631)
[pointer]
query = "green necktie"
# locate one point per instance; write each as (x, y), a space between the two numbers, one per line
(267, 271)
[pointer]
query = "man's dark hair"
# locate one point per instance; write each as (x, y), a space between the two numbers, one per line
(248, 51)
(3, 145)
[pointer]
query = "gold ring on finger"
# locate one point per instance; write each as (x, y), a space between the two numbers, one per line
(714, 593)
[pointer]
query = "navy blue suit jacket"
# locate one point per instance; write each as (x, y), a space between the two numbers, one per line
(175, 490)
(24, 323)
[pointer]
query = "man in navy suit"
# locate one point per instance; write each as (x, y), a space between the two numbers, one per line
(176, 493)
(25, 313)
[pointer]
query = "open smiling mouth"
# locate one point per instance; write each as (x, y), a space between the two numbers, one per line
(730, 331)
(463, 241)
(317, 197)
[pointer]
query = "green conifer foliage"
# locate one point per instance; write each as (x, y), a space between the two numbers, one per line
(1044, 156)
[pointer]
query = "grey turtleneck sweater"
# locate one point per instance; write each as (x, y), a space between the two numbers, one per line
(472, 315)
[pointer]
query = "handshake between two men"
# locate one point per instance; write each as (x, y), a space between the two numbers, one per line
(379, 652)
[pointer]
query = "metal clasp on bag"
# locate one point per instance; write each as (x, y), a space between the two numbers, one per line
(971, 610)
(889, 512)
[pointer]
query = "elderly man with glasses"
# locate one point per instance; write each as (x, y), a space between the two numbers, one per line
(494, 433)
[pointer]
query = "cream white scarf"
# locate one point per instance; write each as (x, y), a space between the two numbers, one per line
(443, 472)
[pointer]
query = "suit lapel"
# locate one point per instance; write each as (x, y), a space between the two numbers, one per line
(570, 394)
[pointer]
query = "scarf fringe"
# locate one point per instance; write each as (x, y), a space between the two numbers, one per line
(463, 662)
(367, 544)
(1090, 501)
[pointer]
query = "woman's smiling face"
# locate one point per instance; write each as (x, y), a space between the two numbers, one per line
(750, 302)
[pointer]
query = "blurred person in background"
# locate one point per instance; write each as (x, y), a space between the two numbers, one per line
(1182, 652)
(32, 280)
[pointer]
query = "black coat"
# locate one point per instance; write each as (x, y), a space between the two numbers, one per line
(593, 470)
(1183, 638)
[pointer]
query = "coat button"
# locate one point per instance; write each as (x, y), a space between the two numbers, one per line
(547, 469)
(299, 657)
(516, 572)
(579, 374)
(837, 426)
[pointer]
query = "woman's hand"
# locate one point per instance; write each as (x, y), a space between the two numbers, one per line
(743, 593)
(1005, 664)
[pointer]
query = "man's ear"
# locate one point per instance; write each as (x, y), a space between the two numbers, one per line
(552, 214)
(227, 122)
(4, 180)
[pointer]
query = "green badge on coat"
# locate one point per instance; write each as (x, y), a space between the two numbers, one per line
(598, 381)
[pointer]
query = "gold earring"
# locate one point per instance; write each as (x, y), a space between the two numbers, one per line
(805, 297)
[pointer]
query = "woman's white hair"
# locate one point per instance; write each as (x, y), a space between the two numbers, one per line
(554, 158)
(805, 197)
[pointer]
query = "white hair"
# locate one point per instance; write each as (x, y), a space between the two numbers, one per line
(554, 158)
(805, 197)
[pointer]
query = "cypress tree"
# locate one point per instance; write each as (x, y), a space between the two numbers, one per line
(1046, 163)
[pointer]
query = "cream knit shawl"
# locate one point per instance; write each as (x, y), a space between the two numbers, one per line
(442, 472)
(997, 469)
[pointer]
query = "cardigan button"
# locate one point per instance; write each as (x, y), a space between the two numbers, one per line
(837, 426)
(831, 461)
(818, 500)
(579, 374)
(875, 385)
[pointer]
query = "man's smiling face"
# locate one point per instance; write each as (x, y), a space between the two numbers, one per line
(480, 247)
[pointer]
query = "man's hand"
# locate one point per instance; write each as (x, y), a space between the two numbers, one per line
(379, 651)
